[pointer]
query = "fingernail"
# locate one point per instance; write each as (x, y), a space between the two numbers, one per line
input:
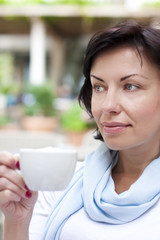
(28, 194)
(18, 165)
(25, 186)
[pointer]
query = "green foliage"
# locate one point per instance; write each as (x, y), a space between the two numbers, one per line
(76, 2)
(72, 119)
(154, 4)
(6, 74)
(44, 101)
(21, 2)
(4, 120)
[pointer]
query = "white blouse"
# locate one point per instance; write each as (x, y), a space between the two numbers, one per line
(79, 226)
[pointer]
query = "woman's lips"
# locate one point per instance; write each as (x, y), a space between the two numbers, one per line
(114, 127)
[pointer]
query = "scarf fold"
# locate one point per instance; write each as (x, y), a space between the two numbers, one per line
(92, 187)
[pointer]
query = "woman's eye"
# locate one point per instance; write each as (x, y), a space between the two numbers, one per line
(131, 87)
(98, 88)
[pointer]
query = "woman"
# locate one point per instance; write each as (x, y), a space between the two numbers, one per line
(116, 195)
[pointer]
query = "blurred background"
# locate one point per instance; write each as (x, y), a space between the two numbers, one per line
(42, 45)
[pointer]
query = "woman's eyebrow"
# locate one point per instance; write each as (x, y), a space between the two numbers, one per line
(100, 79)
(122, 78)
(132, 75)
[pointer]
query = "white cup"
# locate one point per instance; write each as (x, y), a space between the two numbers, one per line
(47, 169)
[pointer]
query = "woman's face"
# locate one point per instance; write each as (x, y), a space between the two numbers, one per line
(126, 99)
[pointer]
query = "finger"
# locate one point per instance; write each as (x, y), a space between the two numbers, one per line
(12, 176)
(7, 196)
(5, 184)
(8, 159)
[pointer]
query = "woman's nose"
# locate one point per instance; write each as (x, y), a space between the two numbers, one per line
(111, 103)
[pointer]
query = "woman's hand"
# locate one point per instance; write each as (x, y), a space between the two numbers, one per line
(16, 200)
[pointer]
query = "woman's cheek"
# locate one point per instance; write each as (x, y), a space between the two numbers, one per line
(96, 111)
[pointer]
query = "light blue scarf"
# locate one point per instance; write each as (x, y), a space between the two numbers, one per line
(92, 187)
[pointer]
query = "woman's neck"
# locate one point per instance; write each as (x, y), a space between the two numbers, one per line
(130, 166)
